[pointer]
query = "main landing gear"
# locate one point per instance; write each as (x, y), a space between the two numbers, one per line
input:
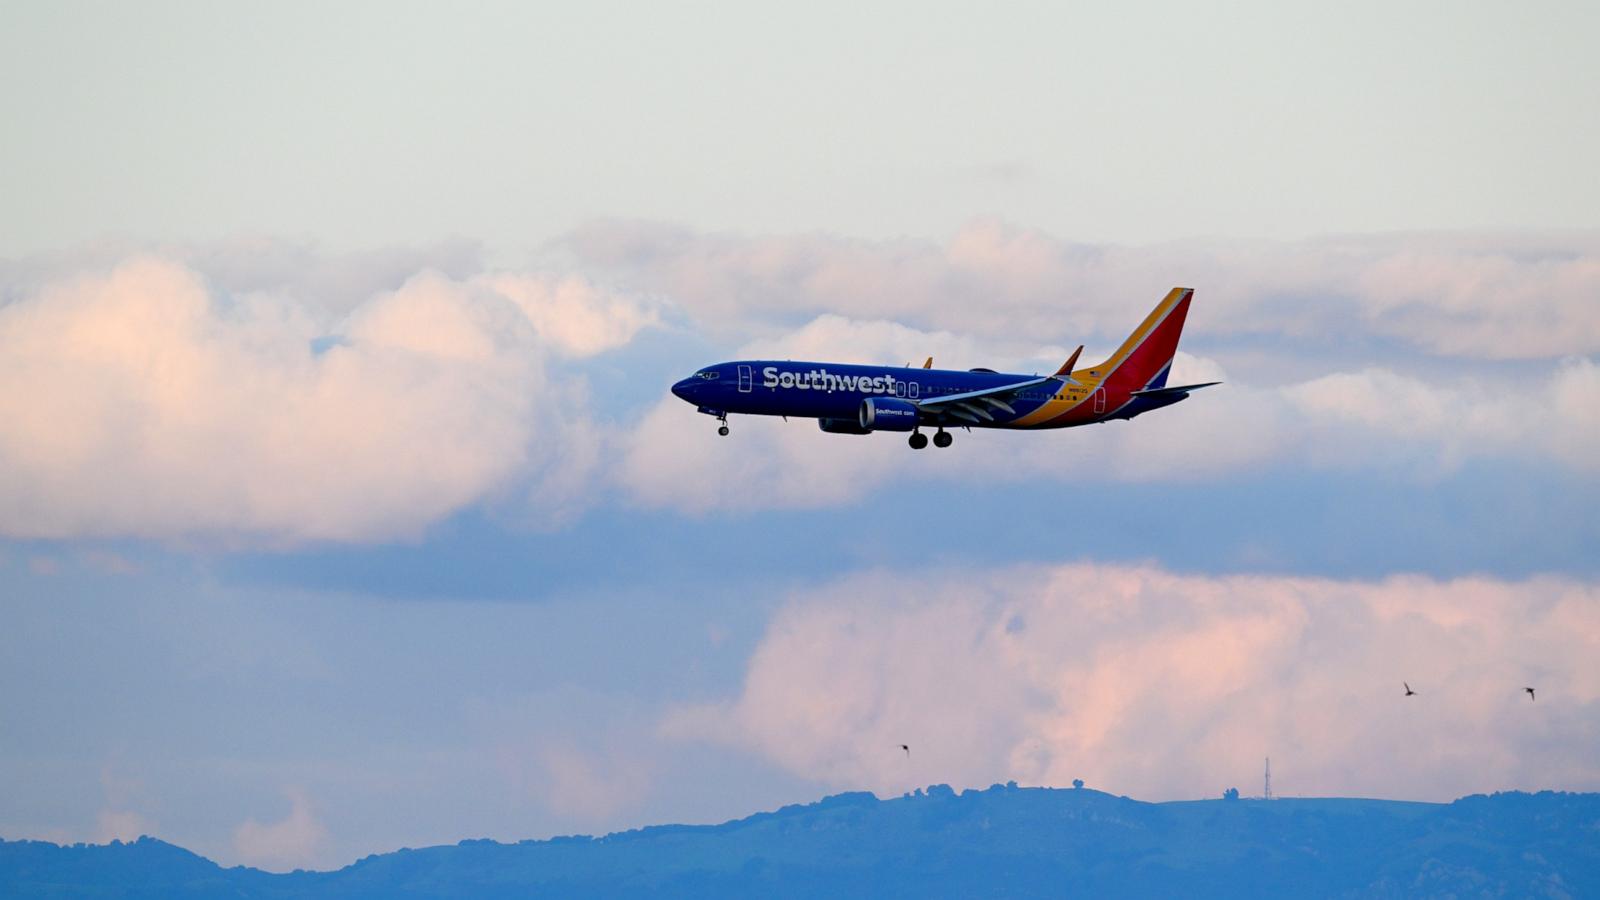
(942, 438)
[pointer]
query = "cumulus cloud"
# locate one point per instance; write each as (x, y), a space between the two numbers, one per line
(322, 284)
(573, 313)
(142, 401)
(1352, 418)
(591, 784)
(213, 392)
(117, 819)
(1493, 302)
(121, 825)
(1497, 296)
(835, 338)
(1158, 684)
(298, 840)
(1374, 419)
(598, 770)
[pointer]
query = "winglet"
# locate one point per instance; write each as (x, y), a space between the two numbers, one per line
(928, 364)
(1066, 367)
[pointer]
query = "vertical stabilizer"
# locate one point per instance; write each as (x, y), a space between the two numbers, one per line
(1143, 360)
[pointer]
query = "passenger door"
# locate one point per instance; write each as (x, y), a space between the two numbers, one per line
(745, 380)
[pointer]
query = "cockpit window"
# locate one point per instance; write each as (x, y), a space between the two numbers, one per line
(708, 375)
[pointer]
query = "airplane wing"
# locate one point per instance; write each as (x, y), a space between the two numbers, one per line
(1169, 391)
(974, 406)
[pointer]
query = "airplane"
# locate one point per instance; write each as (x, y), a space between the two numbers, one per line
(854, 399)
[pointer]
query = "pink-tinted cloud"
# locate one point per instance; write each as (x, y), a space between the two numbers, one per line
(121, 825)
(141, 402)
(591, 784)
(1498, 296)
(1373, 419)
(298, 840)
(1157, 684)
(153, 399)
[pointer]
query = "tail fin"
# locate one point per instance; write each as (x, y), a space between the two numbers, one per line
(1143, 360)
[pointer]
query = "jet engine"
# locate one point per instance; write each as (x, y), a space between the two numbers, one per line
(842, 426)
(888, 414)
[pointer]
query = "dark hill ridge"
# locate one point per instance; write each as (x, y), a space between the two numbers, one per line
(1003, 841)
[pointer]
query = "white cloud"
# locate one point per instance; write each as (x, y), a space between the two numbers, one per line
(141, 402)
(121, 825)
(591, 785)
(1573, 434)
(1374, 419)
(299, 840)
(320, 285)
(835, 338)
(152, 399)
(1157, 684)
(1495, 302)
(674, 458)
(1352, 419)
(597, 770)
(1496, 296)
(573, 313)
(117, 820)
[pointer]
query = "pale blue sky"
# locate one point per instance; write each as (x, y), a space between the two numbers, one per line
(343, 507)
(360, 124)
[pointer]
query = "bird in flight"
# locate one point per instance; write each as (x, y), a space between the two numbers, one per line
(1409, 691)
(907, 750)
(1530, 693)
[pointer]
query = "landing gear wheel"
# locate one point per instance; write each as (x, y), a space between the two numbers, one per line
(723, 430)
(918, 440)
(943, 439)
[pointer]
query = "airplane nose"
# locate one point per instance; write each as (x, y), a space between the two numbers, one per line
(686, 388)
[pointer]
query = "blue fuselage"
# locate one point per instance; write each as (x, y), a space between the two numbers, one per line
(847, 399)
(834, 391)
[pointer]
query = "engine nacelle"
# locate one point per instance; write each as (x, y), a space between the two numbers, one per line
(888, 414)
(842, 426)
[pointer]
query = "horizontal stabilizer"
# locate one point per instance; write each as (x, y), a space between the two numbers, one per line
(1169, 391)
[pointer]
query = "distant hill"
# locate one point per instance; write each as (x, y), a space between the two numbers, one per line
(1006, 841)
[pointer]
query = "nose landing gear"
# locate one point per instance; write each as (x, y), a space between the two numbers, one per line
(722, 418)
